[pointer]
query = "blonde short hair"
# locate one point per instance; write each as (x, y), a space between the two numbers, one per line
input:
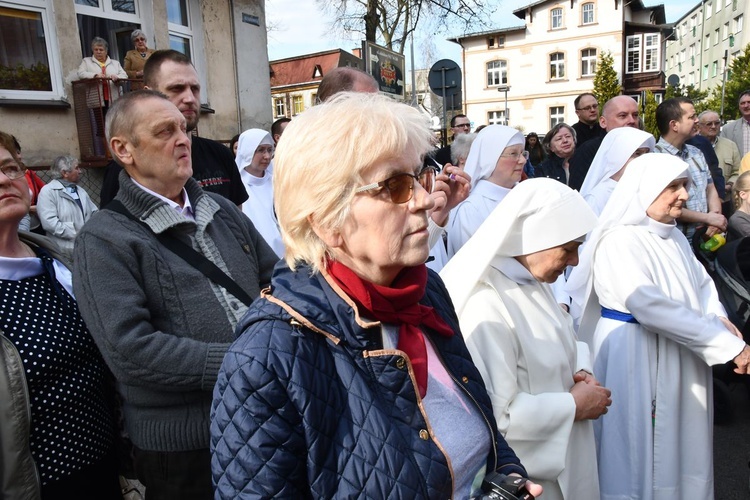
(323, 156)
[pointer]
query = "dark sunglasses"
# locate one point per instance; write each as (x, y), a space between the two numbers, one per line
(401, 186)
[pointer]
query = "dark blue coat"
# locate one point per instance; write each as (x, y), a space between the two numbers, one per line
(308, 404)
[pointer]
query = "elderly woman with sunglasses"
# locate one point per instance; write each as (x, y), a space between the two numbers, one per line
(56, 423)
(350, 373)
(136, 58)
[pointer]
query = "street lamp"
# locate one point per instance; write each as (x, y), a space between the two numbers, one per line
(505, 88)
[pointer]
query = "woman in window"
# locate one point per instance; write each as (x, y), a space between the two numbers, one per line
(136, 59)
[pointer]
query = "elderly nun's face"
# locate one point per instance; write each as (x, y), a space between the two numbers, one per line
(668, 205)
(547, 265)
(509, 167)
(379, 238)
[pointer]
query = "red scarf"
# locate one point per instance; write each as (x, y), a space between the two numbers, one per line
(398, 303)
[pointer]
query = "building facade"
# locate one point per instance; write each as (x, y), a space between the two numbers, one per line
(528, 76)
(295, 80)
(705, 42)
(42, 43)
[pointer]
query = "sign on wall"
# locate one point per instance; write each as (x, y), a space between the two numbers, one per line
(387, 68)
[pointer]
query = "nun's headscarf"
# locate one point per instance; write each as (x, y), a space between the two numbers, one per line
(536, 215)
(247, 144)
(487, 148)
(616, 149)
(643, 181)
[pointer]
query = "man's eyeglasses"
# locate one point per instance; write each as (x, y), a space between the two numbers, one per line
(401, 186)
(717, 123)
(591, 107)
(13, 170)
(516, 156)
(462, 125)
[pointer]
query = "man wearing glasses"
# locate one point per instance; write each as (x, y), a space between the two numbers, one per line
(726, 150)
(460, 124)
(587, 110)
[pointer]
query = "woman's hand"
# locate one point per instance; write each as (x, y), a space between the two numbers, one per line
(591, 400)
(454, 184)
(531, 487)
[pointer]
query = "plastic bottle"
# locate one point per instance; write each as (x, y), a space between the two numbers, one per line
(714, 243)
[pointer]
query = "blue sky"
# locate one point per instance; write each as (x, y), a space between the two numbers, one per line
(301, 27)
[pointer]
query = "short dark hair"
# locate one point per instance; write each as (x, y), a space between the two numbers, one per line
(121, 117)
(453, 120)
(553, 132)
(578, 99)
(743, 94)
(276, 127)
(153, 65)
(341, 80)
(669, 110)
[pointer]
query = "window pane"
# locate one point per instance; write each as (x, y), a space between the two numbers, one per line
(180, 44)
(24, 64)
(127, 6)
(177, 12)
(89, 3)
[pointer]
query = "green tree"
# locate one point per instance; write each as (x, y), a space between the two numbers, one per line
(691, 92)
(738, 80)
(649, 115)
(606, 83)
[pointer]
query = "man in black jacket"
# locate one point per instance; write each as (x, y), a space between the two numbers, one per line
(171, 73)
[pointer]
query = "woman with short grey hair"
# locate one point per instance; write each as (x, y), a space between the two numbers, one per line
(460, 149)
(560, 144)
(136, 59)
(63, 206)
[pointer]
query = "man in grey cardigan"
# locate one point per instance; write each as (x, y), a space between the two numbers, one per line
(162, 325)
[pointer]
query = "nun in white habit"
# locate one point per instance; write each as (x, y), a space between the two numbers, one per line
(495, 164)
(617, 149)
(254, 154)
(655, 324)
(538, 376)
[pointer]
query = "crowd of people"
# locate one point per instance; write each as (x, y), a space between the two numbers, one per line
(309, 312)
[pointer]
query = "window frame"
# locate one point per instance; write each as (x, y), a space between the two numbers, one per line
(498, 118)
(637, 53)
(558, 64)
(298, 101)
(193, 32)
(737, 24)
(556, 115)
(592, 13)
(279, 103)
(653, 50)
(502, 70)
(586, 60)
(45, 10)
(106, 11)
(552, 17)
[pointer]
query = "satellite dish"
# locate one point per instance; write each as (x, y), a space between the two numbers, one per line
(673, 80)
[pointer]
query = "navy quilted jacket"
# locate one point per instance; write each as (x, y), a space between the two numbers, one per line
(309, 405)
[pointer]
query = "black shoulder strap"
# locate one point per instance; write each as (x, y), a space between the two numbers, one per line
(189, 255)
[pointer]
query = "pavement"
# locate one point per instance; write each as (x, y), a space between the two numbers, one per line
(732, 445)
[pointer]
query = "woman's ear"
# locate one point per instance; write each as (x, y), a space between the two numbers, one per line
(331, 237)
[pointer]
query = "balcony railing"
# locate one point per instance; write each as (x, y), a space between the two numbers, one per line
(90, 110)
